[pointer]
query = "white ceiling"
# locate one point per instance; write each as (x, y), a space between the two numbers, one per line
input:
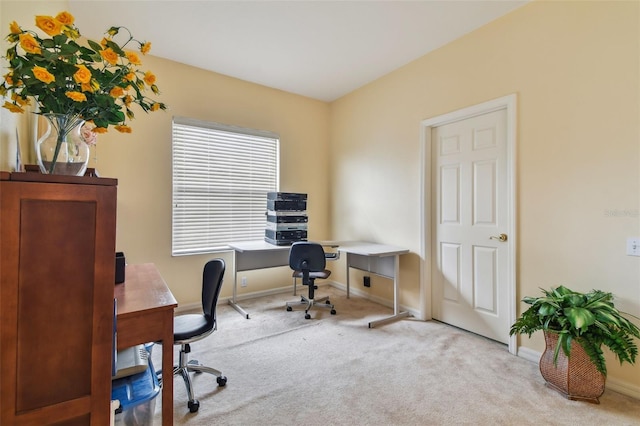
(321, 49)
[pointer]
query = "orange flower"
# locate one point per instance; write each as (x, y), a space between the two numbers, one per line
(76, 96)
(83, 75)
(49, 25)
(109, 55)
(65, 18)
(29, 43)
(99, 130)
(14, 28)
(116, 92)
(11, 107)
(46, 60)
(149, 78)
(18, 100)
(145, 47)
(133, 58)
(43, 75)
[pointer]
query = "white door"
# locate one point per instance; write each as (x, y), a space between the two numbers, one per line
(470, 225)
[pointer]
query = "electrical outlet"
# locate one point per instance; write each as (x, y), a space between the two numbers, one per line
(633, 246)
(366, 281)
(243, 282)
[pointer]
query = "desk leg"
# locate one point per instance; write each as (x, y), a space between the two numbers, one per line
(232, 302)
(348, 265)
(238, 308)
(167, 366)
(396, 298)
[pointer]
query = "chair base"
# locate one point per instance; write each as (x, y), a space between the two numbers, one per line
(185, 366)
(308, 303)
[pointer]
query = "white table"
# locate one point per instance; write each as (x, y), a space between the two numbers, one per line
(378, 259)
(250, 255)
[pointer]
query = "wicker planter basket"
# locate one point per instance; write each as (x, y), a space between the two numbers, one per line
(575, 377)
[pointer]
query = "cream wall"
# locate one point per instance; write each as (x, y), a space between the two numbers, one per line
(575, 69)
(141, 161)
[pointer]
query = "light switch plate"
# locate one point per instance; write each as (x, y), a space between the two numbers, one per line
(633, 246)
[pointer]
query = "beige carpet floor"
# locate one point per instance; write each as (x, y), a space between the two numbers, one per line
(334, 370)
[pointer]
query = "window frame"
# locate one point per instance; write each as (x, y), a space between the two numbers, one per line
(212, 178)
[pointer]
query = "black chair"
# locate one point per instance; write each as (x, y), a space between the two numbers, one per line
(308, 261)
(189, 328)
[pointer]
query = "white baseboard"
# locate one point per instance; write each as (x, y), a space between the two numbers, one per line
(529, 354)
(611, 384)
(623, 388)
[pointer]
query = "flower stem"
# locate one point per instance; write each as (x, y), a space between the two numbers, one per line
(63, 124)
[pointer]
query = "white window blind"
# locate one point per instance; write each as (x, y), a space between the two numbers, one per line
(221, 176)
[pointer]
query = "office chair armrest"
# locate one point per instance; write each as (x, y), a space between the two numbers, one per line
(332, 255)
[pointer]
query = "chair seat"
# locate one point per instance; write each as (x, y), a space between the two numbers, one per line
(322, 274)
(188, 326)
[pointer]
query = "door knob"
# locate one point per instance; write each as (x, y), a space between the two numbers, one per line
(502, 237)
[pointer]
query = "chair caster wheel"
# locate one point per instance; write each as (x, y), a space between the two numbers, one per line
(307, 316)
(289, 309)
(333, 312)
(193, 406)
(222, 380)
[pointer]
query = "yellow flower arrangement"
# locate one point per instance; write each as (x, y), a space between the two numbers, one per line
(95, 82)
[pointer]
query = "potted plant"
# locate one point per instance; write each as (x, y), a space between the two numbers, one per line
(576, 326)
(74, 80)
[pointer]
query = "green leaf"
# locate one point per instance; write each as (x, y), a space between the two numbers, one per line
(608, 317)
(49, 56)
(60, 39)
(68, 49)
(48, 43)
(575, 299)
(580, 318)
(547, 309)
(561, 291)
(95, 46)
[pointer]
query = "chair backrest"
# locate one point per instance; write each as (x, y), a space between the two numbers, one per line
(307, 256)
(212, 277)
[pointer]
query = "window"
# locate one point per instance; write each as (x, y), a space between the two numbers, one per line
(221, 176)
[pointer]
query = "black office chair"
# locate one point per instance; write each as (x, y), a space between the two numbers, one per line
(189, 328)
(308, 261)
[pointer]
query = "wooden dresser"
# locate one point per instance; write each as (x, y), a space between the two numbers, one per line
(57, 257)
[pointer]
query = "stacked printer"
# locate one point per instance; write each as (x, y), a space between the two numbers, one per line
(286, 218)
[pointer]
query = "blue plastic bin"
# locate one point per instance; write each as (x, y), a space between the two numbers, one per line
(137, 395)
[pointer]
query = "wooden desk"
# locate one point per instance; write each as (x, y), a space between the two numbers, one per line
(145, 314)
